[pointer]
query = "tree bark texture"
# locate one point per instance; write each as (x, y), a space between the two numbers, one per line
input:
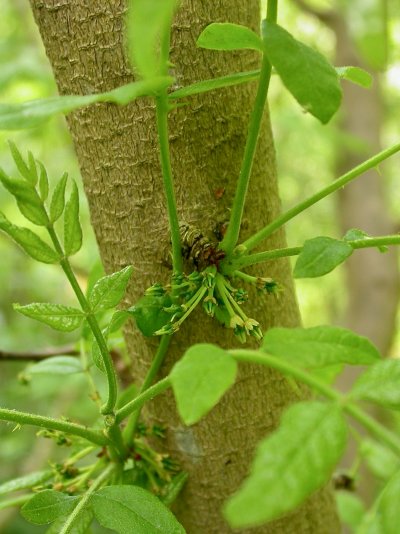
(117, 151)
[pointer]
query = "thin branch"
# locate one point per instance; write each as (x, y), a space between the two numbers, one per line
(66, 350)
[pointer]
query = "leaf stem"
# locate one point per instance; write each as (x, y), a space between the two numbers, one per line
(162, 108)
(74, 429)
(286, 368)
(103, 477)
(141, 399)
(108, 407)
(255, 239)
(15, 501)
(232, 234)
(268, 255)
(129, 432)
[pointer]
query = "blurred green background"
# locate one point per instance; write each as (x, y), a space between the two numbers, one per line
(307, 158)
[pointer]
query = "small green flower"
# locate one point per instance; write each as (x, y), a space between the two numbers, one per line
(155, 290)
(240, 333)
(236, 322)
(209, 304)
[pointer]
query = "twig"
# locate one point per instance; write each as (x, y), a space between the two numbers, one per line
(65, 350)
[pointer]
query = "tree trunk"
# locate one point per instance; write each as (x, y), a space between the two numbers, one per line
(117, 151)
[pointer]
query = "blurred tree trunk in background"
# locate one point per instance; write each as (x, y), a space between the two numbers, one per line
(372, 278)
(117, 151)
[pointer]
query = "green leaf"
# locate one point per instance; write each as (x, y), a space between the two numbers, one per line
(57, 365)
(215, 83)
(47, 506)
(59, 317)
(380, 384)
(96, 353)
(327, 374)
(28, 201)
(72, 226)
(149, 313)
(109, 290)
(290, 465)
(306, 73)
(43, 182)
(127, 509)
(381, 461)
(356, 75)
(80, 526)
(118, 319)
(58, 199)
(350, 507)
(24, 170)
(35, 112)
(148, 24)
(200, 379)
(320, 346)
(384, 517)
(27, 481)
(29, 242)
(354, 234)
(228, 36)
(320, 256)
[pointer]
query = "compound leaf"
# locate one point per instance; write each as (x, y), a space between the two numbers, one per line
(126, 509)
(109, 290)
(200, 379)
(320, 346)
(380, 384)
(72, 225)
(228, 36)
(28, 201)
(46, 506)
(320, 256)
(59, 317)
(57, 365)
(355, 75)
(147, 25)
(310, 78)
(26, 481)
(290, 465)
(58, 199)
(29, 242)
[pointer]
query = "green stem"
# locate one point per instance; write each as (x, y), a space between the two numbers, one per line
(109, 406)
(334, 186)
(69, 524)
(223, 294)
(141, 399)
(286, 368)
(232, 234)
(272, 10)
(194, 301)
(15, 501)
(163, 138)
(74, 429)
(162, 108)
(262, 257)
(129, 432)
(115, 435)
